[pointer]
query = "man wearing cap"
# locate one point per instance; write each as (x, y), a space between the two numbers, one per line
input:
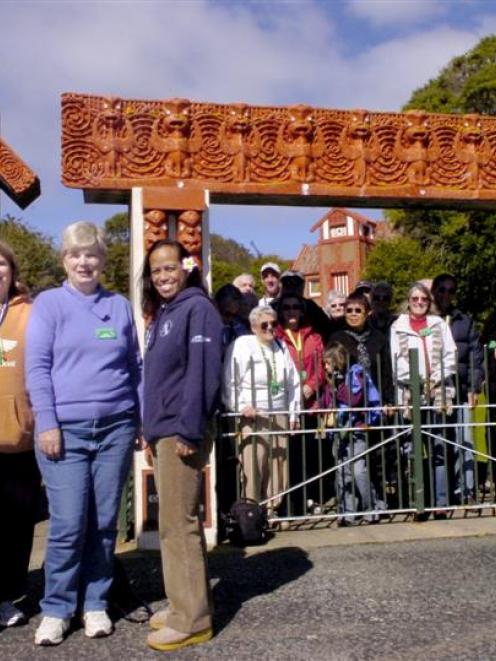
(381, 318)
(270, 274)
(364, 287)
(294, 282)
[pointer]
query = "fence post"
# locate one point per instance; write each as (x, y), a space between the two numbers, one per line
(418, 470)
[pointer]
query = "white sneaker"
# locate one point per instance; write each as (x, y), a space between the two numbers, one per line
(97, 624)
(51, 631)
(10, 615)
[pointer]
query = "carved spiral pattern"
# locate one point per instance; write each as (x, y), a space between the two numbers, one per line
(14, 172)
(109, 143)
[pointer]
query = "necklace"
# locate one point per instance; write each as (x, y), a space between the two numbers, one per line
(272, 368)
(298, 346)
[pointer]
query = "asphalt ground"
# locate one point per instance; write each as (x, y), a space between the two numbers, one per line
(422, 599)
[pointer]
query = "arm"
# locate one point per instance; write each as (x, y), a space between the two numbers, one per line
(202, 378)
(40, 338)
(135, 362)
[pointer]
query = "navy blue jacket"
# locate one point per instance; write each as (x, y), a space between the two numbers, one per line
(470, 352)
(182, 368)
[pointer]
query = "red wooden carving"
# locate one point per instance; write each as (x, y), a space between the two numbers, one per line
(114, 144)
(156, 227)
(17, 180)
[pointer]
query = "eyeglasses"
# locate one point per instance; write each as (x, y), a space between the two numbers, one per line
(355, 310)
(419, 299)
(384, 299)
(446, 290)
(296, 306)
(267, 325)
(337, 305)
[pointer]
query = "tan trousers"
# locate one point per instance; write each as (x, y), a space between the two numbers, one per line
(182, 543)
(264, 458)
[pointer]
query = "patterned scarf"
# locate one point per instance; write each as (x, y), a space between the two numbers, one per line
(363, 354)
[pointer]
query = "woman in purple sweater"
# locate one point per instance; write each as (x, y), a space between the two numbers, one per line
(83, 369)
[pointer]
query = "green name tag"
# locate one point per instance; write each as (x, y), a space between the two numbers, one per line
(425, 331)
(106, 333)
(492, 344)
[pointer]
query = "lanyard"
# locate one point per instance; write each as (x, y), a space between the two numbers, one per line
(3, 311)
(297, 343)
(274, 383)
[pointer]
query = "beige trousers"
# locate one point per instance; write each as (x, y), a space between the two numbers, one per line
(182, 543)
(264, 458)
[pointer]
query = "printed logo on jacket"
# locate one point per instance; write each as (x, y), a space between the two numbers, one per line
(6, 346)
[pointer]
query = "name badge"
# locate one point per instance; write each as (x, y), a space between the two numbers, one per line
(425, 332)
(106, 333)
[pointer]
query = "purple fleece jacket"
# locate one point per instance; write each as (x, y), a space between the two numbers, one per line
(82, 356)
(182, 368)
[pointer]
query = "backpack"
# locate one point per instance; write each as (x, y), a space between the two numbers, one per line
(246, 523)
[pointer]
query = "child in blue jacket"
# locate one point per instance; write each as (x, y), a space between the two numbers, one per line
(347, 388)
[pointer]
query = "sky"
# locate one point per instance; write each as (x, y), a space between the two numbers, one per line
(336, 54)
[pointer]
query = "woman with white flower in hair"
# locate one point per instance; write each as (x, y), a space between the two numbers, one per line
(182, 382)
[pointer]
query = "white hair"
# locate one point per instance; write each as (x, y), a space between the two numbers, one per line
(83, 235)
(260, 311)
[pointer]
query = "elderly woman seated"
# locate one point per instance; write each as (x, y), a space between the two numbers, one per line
(262, 385)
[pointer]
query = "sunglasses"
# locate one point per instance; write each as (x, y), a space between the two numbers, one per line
(296, 306)
(446, 290)
(355, 310)
(337, 305)
(419, 299)
(383, 299)
(267, 325)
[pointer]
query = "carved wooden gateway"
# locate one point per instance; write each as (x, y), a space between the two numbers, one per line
(291, 155)
(17, 179)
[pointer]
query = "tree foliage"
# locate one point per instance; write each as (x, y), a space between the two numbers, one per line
(39, 262)
(117, 234)
(462, 241)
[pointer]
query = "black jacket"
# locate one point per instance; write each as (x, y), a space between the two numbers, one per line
(468, 345)
(377, 347)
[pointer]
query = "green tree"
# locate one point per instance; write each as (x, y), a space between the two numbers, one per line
(117, 234)
(463, 241)
(402, 260)
(39, 261)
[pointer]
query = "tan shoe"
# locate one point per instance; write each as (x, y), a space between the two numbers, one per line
(159, 619)
(168, 640)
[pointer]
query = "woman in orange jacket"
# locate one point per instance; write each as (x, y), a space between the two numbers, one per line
(19, 476)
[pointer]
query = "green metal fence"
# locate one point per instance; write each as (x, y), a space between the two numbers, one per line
(354, 464)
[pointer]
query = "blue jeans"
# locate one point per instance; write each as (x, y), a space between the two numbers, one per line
(84, 488)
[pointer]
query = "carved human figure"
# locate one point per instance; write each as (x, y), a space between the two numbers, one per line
(156, 227)
(239, 140)
(172, 135)
(303, 144)
(356, 145)
(112, 134)
(472, 149)
(189, 232)
(412, 147)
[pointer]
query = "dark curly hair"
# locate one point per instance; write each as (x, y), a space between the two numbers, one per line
(150, 298)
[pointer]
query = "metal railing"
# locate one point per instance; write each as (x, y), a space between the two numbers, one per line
(368, 462)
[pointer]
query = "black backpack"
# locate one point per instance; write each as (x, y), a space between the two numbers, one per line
(246, 523)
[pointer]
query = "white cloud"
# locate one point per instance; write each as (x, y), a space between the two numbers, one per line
(260, 53)
(385, 13)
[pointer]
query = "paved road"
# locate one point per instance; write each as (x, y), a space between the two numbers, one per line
(410, 600)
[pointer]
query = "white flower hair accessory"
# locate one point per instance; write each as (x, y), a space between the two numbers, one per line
(189, 263)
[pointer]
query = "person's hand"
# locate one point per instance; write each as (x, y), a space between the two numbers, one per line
(50, 443)
(140, 443)
(307, 391)
(388, 410)
(249, 412)
(148, 456)
(473, 399)
(183, 450)
(294, 425)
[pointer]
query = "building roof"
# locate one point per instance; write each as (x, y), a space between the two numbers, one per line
(307, 260)
(339, 214)
(17, 180)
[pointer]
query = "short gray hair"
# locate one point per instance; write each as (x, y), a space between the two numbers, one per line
(83, 234)
(259, 311)
(334, 294)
